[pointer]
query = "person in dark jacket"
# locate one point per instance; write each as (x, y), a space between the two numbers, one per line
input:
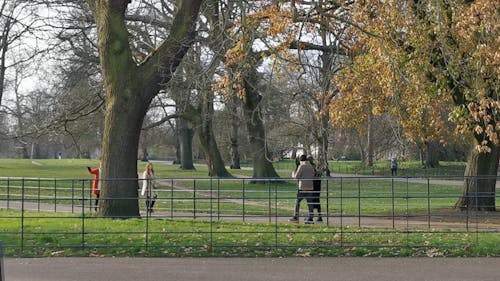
(394, 167)
(315, 197)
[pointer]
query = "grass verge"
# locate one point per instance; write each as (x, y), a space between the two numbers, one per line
(44, 235)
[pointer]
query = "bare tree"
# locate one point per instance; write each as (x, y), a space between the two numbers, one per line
(19, 23)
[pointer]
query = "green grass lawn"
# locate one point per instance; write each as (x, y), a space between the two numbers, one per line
(192, 192)
(76, 168)
(61, 181)
(70, 235)
(382, 168)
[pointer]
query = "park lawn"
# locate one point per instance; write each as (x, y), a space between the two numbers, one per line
(46, 168)
(76, 168)
(347, 195)
(405, 169)
(46, 235)
(56, 234)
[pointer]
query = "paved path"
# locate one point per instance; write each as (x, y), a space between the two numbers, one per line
(251, 269)
(485, 222)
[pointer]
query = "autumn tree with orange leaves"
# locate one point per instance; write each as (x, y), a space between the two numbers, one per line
(432, 58)
(284, 32)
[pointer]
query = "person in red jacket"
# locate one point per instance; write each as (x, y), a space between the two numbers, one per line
(96, 183)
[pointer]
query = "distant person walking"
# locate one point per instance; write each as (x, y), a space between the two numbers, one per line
(305, 174)
(148, 185)
(96, 183)
(394, 167)
(315, 200)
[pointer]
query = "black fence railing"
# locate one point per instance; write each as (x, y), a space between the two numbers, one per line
(2, 267)
(214, 216)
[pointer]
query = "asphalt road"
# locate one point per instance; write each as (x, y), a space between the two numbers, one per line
(243, 269)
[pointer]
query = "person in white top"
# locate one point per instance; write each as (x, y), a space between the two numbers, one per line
(148, 186)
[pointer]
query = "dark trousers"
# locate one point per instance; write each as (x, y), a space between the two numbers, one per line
(308, 196)
(315, 201)
(96, 202)
(315, 197)
(150, 202)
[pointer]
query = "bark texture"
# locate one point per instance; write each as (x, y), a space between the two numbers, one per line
(186, 145)
(216, 167)
(235, 127)
(129, 90)
(262, 167)
(480, 181)
(432, 154)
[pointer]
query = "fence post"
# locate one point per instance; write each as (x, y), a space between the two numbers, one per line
(392, 203)
(341, 213)
(359, 202)
(8, 193)
(243, 200)
(39, 194)
(428, 204)
(83, 216)
(72, 196)
(55, 195)
(172, 199)
(194, 198)
(211, 214)
(2, 273)
(269, 200)
(218, 199)
(328, 201)
(22, 216)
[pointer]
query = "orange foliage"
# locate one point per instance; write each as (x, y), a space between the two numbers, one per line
(415, 59)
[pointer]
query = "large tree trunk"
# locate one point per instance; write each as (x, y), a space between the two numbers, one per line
(213, 157)
(129, 90)
(145, 154)
(177, 159)
(235, 127)
(432, 154)
(421, 153)
(294, 154)
(201, 119)
(369, 141)
(362, 151)
(206, 136)
(480, 181)
(122, 129)
(4, 41)
(262, 167)
(323, 145)
(186, 144)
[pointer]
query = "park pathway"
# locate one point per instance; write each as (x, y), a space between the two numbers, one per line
(251, 269)
(332, 219)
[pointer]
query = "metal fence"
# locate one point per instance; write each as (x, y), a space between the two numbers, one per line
(238, 216)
